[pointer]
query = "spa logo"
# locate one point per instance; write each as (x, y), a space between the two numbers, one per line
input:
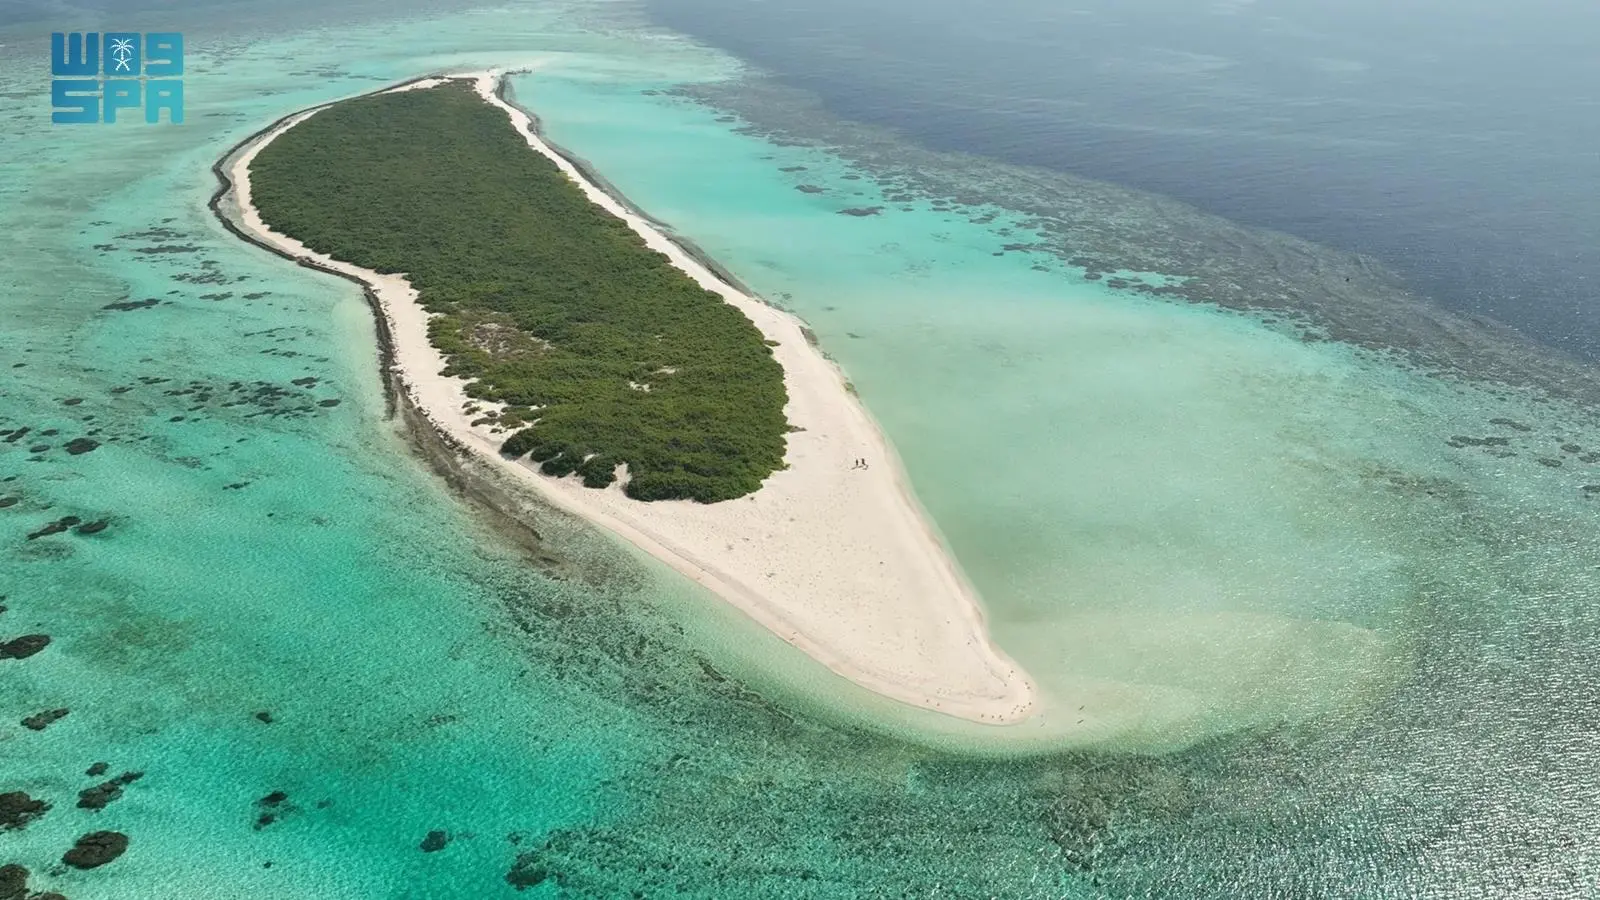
(95, 76)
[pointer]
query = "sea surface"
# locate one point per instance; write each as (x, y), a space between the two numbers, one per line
(1305, 562)
(1444, 137)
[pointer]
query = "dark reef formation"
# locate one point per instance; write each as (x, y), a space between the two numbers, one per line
(56, 527)
(96, 849)
(529, 872)
(101, 795)
(270, 808)
(128, 305)
(14, 885)
(24, 647)
(17, 809)
(13, 881)
(42, 720)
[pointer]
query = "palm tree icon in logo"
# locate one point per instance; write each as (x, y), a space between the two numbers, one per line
(122, 52)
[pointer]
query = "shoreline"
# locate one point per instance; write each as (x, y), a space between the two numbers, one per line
(226, 190)
(592, 175)
(909, 628)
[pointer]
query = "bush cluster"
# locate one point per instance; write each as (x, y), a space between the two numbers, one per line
(548, 302)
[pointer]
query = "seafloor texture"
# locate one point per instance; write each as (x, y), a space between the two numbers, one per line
(1334, 616)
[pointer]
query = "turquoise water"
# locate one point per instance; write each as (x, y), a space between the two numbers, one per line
(1316, 646)
(1184, 521)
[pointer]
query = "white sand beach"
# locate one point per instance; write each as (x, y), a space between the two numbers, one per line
(838, 560)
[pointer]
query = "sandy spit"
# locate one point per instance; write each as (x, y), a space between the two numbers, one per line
(838, 560)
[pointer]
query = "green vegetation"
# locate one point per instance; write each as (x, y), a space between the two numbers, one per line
(604, 351)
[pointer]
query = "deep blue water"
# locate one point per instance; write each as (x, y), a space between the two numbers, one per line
(1458, 142)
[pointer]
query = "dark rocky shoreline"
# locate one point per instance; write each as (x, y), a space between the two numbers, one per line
(224, 192)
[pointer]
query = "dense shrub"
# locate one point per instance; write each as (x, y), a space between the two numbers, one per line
(550, 303)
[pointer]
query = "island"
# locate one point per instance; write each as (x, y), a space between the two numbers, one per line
(545, 327)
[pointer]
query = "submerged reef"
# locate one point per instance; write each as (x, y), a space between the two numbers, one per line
(96, 849)
(1101, 229)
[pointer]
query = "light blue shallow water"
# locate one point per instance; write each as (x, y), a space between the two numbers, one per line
(1201, 530)
(1180, 520)
(265, 552)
